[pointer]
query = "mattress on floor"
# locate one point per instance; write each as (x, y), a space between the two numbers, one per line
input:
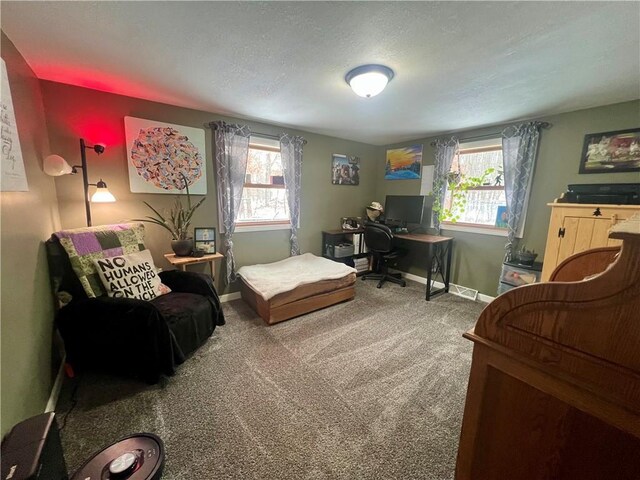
(315, 274)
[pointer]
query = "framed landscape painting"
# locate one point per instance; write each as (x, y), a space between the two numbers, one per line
(403, 163)
(162, 155)
(609, 152)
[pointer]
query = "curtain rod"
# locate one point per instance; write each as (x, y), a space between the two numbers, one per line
(490, 135)
(267, 135)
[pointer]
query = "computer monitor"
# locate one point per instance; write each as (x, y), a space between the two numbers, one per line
(403, 209)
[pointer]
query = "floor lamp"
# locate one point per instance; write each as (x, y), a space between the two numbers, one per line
(55, 166)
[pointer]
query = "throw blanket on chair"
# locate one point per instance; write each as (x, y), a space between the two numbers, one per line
(83, 245)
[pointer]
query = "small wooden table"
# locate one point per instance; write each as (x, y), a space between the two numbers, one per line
(182, 262)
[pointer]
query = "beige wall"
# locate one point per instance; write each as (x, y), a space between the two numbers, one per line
(27, 218)
(74, 112)
(478, 258)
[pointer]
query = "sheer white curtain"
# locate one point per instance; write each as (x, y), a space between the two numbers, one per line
(231, 144)
(291, 154)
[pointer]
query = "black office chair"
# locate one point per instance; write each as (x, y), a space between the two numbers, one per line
(379, 240)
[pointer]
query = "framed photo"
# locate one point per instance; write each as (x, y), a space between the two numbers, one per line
(610, 152)
(501, 217)
(205, 239)
(403, 163)
(162, 155)
(345, 170)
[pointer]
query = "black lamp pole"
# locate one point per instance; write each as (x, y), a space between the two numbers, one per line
(85, 180)
(85, 175)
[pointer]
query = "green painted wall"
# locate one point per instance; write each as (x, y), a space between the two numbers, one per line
(477, 258)
(74, 112)
(27, 218)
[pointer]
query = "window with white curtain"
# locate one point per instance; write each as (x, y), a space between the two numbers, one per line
(483, 204)
(264, 200)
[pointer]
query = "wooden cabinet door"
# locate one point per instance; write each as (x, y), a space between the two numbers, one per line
(583, 233)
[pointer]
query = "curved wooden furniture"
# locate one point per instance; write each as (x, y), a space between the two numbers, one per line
(584, 264)
(554, 389)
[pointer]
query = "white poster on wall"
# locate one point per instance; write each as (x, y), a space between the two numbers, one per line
(12, 175)
(162, 155)
(426, 184)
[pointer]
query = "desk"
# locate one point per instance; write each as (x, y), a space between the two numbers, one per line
(182, 262)
(439, 256)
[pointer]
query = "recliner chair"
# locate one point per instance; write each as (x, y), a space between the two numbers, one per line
(379, 240)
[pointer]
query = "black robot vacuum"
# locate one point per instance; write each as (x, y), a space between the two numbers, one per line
(32, 451)
(136, 457)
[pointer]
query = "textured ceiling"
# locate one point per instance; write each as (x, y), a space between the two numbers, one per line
(458, 65)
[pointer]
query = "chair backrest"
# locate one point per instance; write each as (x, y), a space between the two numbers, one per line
(63, 278)
(378, 237)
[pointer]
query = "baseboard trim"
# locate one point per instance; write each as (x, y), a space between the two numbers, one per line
(56, 388)
(416, 278)
(227, 297)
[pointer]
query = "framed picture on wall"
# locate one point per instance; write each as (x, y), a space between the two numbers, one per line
(345, 169)
(610, 152)
(403, 163)
(162, 155)
(205, 239)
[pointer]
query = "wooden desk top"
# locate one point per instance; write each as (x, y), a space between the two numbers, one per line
(174, 260)
(422, 237)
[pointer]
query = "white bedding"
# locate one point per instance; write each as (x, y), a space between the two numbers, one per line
(270, 279)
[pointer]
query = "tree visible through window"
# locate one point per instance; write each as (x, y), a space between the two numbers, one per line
(475, 194)
(264, 197)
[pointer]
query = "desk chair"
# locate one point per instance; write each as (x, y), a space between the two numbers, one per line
(379, 240)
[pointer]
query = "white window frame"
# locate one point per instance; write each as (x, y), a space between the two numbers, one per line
(258, 142)
(476, 227)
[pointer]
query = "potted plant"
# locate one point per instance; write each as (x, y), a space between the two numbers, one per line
(177, 222)
(524, 256)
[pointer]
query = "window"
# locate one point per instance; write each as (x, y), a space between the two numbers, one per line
(475, 194)
(264, 200)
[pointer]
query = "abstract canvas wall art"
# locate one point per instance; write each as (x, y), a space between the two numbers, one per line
(161, 155)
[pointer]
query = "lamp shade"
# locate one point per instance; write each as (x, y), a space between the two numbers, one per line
(56, 166)
(369, 80)
(102, 194)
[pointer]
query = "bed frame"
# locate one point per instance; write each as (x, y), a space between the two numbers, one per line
(272, 313)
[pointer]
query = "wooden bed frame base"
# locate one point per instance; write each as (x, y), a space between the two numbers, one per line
(271, 314)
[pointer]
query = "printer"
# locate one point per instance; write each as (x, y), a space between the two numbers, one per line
(603, 193)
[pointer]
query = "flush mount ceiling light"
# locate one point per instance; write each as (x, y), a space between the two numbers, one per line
(369, 80)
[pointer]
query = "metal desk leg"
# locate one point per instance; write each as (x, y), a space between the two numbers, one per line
(448, 267)
(429, 270)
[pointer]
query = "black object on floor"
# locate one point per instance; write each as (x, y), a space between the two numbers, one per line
(136, 457)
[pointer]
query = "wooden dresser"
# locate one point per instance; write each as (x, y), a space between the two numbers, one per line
(554, 388)
(577, 227)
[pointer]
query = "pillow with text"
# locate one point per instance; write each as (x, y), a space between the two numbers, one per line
(131, 276)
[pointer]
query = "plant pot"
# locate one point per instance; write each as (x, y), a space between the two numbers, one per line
(525, 258)
(182, 248)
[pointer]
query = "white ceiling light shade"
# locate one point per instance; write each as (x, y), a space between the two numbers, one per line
(369, 80)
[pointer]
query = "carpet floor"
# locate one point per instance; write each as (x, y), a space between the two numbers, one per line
(373, 388)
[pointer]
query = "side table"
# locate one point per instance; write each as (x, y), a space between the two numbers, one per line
(182, 262)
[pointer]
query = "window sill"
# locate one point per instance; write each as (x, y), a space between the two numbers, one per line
(497, 232)
(262, 228)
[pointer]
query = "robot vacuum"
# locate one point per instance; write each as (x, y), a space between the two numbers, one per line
(136, 457)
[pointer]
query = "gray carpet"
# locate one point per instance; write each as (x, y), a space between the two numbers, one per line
(369, 389)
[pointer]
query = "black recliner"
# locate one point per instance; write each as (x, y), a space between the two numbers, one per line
(379, 240)
(131, 337)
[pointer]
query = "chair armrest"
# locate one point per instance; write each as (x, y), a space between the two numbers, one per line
(193, 282)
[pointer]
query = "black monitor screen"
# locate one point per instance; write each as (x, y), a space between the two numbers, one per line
(404, 208)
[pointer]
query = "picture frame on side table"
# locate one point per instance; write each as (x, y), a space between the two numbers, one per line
(205, 239)
(610, 152)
